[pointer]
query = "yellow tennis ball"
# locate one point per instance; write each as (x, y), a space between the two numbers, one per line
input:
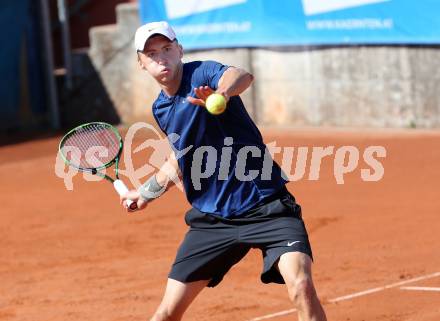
(216, 104)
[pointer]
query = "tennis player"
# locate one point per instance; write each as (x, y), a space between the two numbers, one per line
(238, 206)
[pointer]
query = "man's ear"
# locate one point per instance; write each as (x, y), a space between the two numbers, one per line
(139, 61)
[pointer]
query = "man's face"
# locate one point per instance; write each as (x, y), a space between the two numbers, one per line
(161, 58)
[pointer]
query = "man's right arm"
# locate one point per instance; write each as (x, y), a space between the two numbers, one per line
(155, 186)
(169, 171)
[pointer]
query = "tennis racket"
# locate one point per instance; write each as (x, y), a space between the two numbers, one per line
(93, 147)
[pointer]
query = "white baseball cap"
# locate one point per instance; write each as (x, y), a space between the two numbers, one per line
(143, 33)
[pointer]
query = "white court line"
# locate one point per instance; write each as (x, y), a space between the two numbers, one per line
(273, 315)
(354, 295)
(420, 288)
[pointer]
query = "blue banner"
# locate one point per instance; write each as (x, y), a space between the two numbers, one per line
(247, 23)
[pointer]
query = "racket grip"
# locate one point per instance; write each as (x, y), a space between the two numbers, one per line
(122, 189)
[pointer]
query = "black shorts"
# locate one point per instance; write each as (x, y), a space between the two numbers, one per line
(214, 244)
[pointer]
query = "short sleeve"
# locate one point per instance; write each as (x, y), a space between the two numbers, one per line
(155, 112)
(212, 72)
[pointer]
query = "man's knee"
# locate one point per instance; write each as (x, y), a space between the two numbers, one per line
(301, 291)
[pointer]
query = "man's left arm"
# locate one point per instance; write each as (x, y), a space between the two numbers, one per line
(233, 82)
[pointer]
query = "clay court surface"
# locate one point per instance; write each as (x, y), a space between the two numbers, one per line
(76, 255)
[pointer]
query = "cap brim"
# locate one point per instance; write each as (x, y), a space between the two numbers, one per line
(143, 41)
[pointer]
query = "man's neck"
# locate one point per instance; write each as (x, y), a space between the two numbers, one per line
(171, 88)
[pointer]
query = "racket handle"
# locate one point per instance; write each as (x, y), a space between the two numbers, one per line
(122, 189)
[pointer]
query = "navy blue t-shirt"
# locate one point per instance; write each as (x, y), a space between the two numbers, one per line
(224, 155)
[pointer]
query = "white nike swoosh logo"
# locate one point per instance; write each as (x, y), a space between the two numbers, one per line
(291, 243)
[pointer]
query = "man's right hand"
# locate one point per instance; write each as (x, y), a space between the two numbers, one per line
(135, 197)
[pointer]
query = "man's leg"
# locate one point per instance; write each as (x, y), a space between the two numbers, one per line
(295, 267)
(177, 298)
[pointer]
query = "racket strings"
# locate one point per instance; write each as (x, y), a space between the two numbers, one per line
(91, 146)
